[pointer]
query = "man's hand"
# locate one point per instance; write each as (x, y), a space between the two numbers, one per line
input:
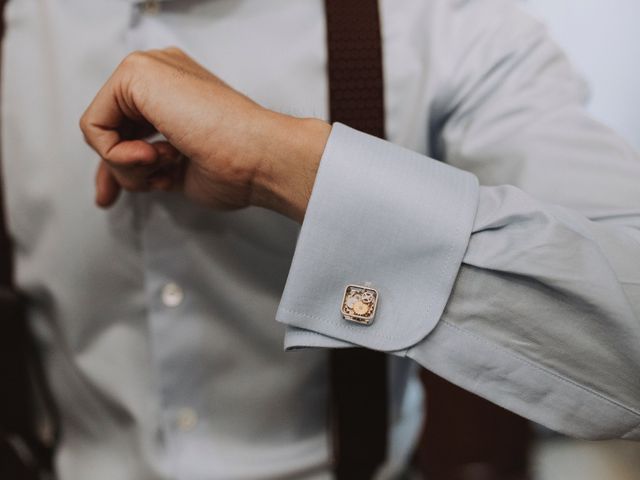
(222, 149)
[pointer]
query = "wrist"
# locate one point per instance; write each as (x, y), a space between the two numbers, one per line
(287, 170)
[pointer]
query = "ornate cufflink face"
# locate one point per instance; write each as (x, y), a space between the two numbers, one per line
(359, 304)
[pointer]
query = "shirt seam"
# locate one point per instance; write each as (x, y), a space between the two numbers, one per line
(543, 369)
(300, 331)
(631, 433)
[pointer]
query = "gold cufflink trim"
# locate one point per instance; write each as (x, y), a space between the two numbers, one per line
(359, 304)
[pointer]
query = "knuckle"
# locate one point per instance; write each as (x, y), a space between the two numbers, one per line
(85, 129)
(175, 51)
(134, 59)
(84, 124)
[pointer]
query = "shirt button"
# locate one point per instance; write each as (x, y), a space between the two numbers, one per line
(186, 419)
(172, 295)
(151, 7)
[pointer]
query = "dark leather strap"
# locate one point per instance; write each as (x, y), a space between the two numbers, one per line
(5, 246)
(23, 454)
(359, 398)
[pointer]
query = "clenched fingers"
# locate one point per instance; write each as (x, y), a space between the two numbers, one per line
(138, 166)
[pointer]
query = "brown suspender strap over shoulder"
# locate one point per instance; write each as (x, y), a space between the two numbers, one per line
(356, 86)
(359, 403)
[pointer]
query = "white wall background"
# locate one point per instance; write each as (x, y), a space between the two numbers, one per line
(602, 38)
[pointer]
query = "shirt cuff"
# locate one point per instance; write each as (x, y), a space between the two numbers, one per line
(382, 214)
(297, 338)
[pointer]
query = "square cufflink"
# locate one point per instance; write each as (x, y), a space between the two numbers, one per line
(359, 304)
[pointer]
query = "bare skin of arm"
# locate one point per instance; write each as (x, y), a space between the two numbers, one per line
(222, 149)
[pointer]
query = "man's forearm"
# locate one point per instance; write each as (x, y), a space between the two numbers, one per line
(222, 149)
(285, 178)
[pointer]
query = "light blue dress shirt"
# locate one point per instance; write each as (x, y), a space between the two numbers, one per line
(512, 269)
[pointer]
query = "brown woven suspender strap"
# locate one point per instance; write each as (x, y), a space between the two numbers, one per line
(359, 409)
(356, 89)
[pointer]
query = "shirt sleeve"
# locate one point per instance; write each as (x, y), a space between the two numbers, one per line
(524, 290)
